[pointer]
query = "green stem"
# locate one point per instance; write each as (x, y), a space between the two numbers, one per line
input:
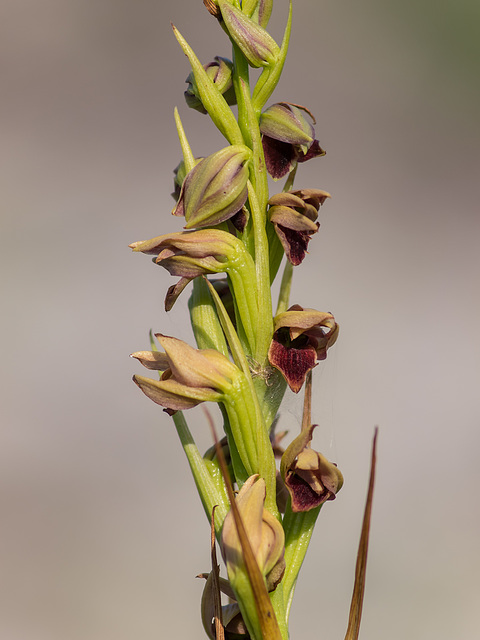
(291, 179)
(240, 78)
(243, 284)
(242, 422)
(264, 322)
(258, 174)
(278, 604)
(213, 101)
(298, 532)
(285, 288)
(250, 427)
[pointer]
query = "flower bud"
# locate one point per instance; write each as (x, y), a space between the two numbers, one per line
(212, 8)
(190, 254)
(287, 137)
(286, 122)
(293, 215)
(215, 189)
(309, 477)
(256, 44)
(220, 72)
(264, 531)
(192, 376)
(301, 337)
(232, 620)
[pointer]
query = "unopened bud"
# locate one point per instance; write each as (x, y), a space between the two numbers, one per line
(215, 189)
(220, 72)
(256, 44)
(192, 376)
(264, 531)
(287, 123)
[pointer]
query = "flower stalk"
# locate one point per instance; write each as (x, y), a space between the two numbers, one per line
(235, 236)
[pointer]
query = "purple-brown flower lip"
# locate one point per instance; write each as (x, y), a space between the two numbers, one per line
(310, 478)
(301, 337)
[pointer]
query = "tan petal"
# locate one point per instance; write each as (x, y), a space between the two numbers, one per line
(197, 367)
(291, 219)
(285, 199)
(156, 360)
(300, 320)
(265, 533)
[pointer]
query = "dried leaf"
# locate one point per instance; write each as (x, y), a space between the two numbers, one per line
(356, 605)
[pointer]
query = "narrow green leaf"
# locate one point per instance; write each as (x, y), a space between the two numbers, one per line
(205, 323)
(270, 77)
(213, 101)
(208, 492)
(229, 331)
(188, 157)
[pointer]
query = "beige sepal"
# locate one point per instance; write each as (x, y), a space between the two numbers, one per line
(190, 376)
(301, 320)
(198, 367)
(264, 531)
(155, 360)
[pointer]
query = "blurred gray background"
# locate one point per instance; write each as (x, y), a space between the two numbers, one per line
(101, 531)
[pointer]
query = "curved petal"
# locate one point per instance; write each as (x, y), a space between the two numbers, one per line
(173, 395)
(154, 360)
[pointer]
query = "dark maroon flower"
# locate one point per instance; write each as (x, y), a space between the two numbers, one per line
(294, 215)
(310, 478)
(287, 137)
(301, 337)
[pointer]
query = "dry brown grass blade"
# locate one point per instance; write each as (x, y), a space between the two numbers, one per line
(266, 614)
(356, 605)
(219, 630)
